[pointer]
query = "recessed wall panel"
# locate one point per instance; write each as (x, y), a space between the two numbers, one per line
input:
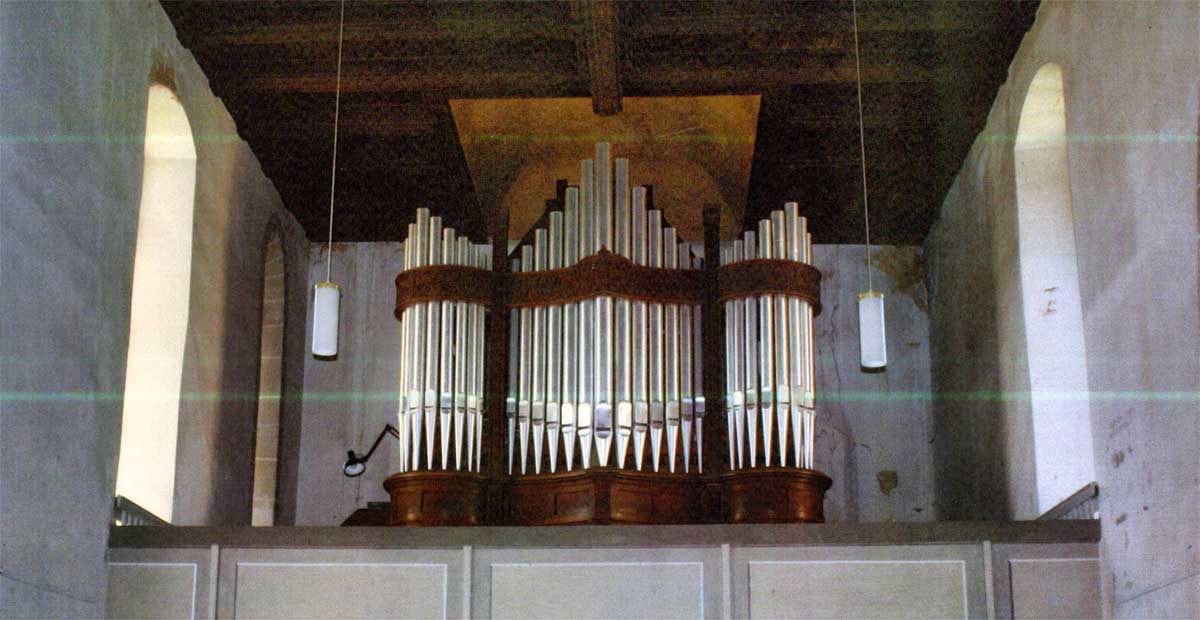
(598, 590)
(151, 590)
(340, 590)
(1047, 589)
(858, 589)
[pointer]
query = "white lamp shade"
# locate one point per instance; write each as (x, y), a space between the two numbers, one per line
(872, 338)
(327, 298)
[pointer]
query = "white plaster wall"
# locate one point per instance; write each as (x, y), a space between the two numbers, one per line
(74, 79)
(886, 416)
(867, 424)
(349, 400)
(1133, 103)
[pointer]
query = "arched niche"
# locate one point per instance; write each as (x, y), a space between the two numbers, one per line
(1053, 312)
(159, 307)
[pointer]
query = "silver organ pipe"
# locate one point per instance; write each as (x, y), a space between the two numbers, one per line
(655, 340)
(780, 342)
(524, 392)
(698, 373)
(749, 310)
(554, 346)
(671, 354)
(810, 362)
(622, 242)
(417, 335)
(797, 336)
(587, 318)
(463, 331)
(687, 396)
(432, 335)
(604, 310)
(479, 346)
(766, 350)
(405, 319)
(541, 248)
(514, 371)
(570, 378)
(739, 365)
(732, 399)
(446, 356)
(607, 371)
(468, 355)
(641, 399)
(769, 348)
(441, 359)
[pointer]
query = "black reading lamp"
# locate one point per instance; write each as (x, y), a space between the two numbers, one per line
(355, 465)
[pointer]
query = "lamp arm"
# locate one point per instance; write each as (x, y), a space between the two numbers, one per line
(387, 428)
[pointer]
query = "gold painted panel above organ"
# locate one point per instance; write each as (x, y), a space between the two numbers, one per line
(694, 151)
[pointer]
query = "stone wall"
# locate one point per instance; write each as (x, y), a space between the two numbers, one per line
(73, 95)
(1132, 104)
(874, 430)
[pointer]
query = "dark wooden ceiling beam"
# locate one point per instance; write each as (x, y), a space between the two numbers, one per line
(596, 41)
(737, 19)
(449, 83)
(757, 78)
(490, 28)
(647, 80)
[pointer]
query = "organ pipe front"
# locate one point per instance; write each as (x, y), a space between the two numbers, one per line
(599, 392)
(441, 360)
(769, 353)
(616, 371)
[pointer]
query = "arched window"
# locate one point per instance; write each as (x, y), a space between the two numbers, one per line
(270, 373)
(159, 309)
(1053, 313)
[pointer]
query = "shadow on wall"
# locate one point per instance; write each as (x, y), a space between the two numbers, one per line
(971, 478)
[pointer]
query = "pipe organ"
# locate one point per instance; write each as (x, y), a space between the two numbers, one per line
(568, 381)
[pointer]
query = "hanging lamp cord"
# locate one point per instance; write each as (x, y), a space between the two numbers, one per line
(337, 100)
(862, 142)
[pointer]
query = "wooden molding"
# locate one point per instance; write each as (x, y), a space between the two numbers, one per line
(606, 273)
(763, 276)
(444, 283)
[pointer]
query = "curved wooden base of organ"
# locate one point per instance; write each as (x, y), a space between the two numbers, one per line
(598, 496)
(437, 498)
(607, 496)
(773, 495)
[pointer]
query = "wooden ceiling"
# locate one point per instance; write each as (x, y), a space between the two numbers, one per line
(930, 71)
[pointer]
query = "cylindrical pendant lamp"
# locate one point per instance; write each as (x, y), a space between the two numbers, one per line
(872, 339)
(327, 298)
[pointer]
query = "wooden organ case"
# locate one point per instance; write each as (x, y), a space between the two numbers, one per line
(605, 372)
